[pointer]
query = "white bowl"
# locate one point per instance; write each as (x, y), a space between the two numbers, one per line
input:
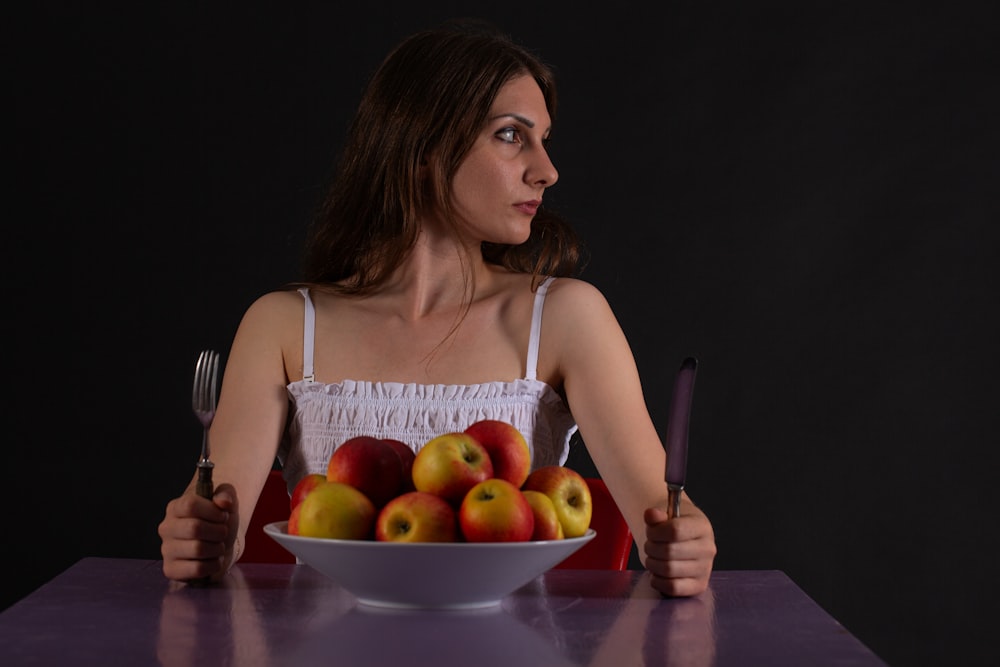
(453, 575)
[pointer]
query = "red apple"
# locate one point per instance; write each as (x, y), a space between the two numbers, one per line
(417, 517)
(496, 511)
(507, 448)
(451, 464)
(547, 525)
(337, 511)
(568, 491)
(406, 455)
(303, 487)
(293, 520)
(370, 465)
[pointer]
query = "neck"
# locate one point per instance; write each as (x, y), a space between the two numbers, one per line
(437, 277)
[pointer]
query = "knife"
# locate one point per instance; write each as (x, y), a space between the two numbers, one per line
(677, 434)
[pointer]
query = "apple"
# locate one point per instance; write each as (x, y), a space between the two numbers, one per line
(303, 487)
(507, 448)
(547, 525)
(337, 511)
(370, 465)
(451, 464)
(406, 455)
(496, 511)
(417, 517)
(293, 519)
(568, 491)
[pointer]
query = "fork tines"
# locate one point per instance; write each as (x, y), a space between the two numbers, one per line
(206, 376)
(204, 392)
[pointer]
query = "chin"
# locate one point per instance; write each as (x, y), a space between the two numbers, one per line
(516, 236)
(512, 234)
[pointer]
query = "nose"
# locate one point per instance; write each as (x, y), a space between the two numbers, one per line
(541, 171)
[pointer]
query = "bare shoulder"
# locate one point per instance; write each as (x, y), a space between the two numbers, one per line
(575, 302)
(277, 306)
(274, 319)
(268, 341)
(579, 332)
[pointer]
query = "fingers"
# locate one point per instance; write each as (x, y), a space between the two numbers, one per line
(680, 569)
(193, 506)
(196, 534)
(225, 498)
(188, 568)
(692, 525)
(679, 586)
(679, 552)
(192, 549)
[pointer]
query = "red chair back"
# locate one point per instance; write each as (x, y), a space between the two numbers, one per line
(609, 550)
(273, 505)
(611, 547)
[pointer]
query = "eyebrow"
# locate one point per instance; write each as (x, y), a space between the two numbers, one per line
(519, 118)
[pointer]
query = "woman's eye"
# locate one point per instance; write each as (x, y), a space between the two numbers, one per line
(508, 135)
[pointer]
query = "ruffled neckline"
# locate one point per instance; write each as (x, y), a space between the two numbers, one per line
(367, 390)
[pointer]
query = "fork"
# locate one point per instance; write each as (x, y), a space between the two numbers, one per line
(203, 397)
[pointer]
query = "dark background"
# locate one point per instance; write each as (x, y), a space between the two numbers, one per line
(801, 194)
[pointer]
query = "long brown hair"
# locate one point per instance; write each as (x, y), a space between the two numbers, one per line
(429, 98)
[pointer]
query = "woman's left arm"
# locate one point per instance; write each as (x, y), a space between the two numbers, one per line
(597, 371)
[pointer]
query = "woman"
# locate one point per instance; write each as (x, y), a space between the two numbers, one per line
(426, 277)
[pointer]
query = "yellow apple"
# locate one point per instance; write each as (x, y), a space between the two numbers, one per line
(507, 448)
(496, 511)
(569, 493)
(417, 517)
(337, 511)
(547, 525)
(451, 464)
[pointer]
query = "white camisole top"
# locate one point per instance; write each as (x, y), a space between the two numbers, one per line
(323, 416)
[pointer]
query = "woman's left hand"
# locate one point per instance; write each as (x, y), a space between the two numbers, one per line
(680, 551)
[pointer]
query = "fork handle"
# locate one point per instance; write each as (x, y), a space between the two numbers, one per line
(204, 487)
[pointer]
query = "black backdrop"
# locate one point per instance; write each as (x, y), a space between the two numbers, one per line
(803, 195)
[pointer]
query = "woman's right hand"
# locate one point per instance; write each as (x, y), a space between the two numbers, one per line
(198, 535)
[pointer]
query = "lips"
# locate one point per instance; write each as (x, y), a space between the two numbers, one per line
(528, 207)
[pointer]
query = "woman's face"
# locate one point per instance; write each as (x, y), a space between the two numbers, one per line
(499, 185)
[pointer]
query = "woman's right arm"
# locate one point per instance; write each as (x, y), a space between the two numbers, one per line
(201, 537)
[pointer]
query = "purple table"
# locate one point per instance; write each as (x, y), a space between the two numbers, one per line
(108, 611)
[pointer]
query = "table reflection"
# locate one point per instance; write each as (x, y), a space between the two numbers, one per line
(647, 629)
(105, 611)
(682, 632)
(217, 625)
(309, 619)
(372, 636)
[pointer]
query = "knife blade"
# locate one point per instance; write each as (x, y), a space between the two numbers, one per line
(677, 433)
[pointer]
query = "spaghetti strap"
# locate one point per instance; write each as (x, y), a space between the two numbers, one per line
(531, 366)
(308, 336)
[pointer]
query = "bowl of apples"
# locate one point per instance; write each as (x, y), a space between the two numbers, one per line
(461, 524)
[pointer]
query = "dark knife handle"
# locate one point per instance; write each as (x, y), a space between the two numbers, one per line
(677, 434)
(677, 426)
